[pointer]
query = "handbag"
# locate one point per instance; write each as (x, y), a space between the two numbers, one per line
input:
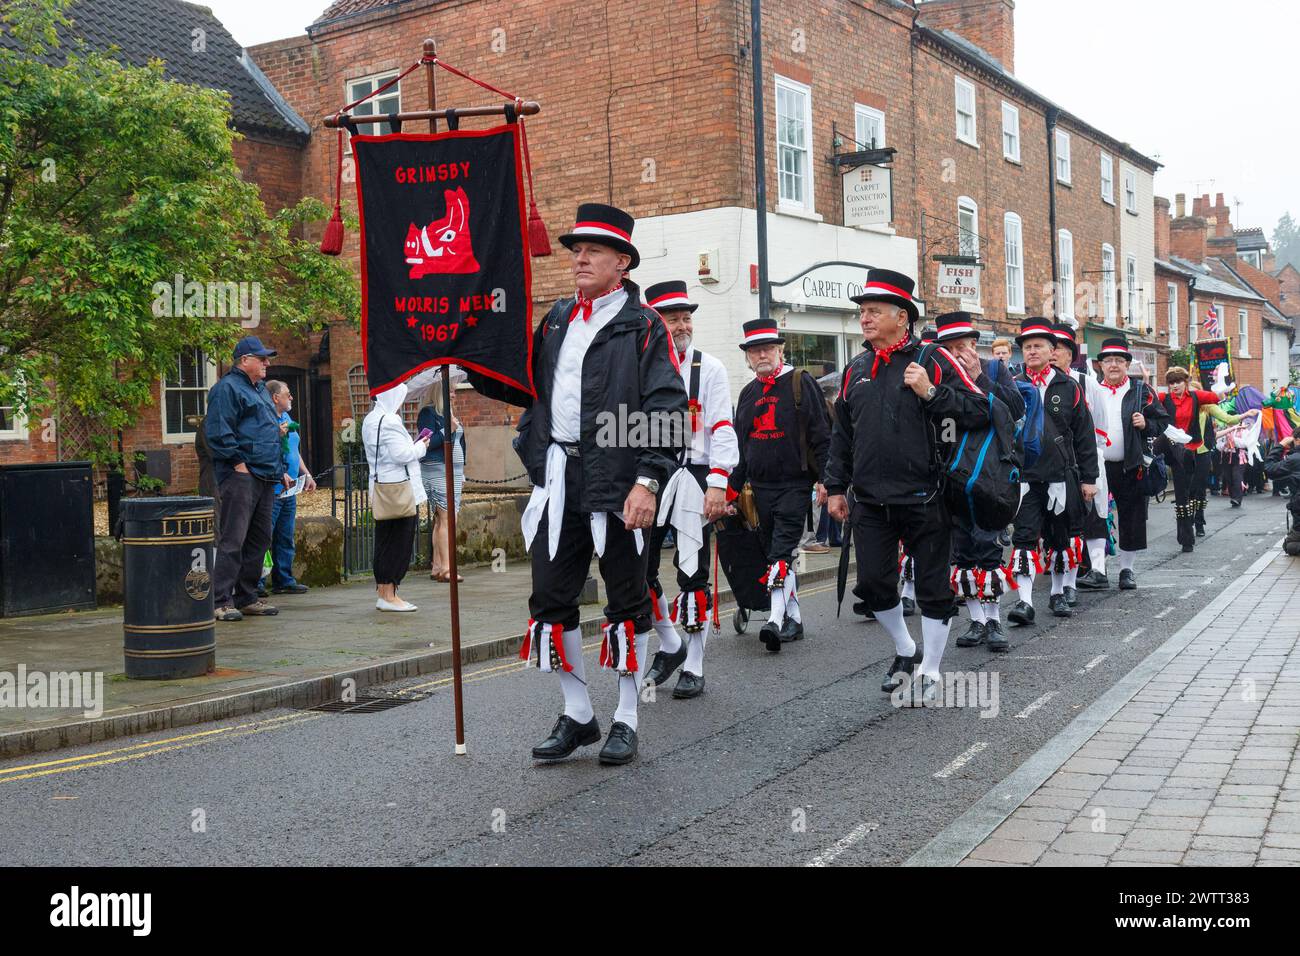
(391, 499)
(748, 507)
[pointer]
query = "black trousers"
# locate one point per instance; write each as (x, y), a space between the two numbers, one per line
(1034, 522)
(926, 532)
(1190, 471)
(781, 513)
(394, 540)
(976, 549)
(1234, 474)
(243, 536)
(699, 581)
(1130, 506)
(557, 583)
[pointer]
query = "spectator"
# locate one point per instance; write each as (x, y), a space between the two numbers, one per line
(1002, 351)
(244, 438)
(433, 469)
(285, 510)
(393, 457)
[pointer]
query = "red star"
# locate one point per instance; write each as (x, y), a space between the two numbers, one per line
(410, 321)
(471, 321)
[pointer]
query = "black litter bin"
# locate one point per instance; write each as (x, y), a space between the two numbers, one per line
(47, 538)
(168, 549)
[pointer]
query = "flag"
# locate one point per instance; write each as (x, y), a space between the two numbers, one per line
(1211, 323)
(445, 276)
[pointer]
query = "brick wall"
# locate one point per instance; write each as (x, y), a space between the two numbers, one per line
(989, 24)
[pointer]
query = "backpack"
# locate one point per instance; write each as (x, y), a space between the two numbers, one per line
(981, 479)
(1030, 429)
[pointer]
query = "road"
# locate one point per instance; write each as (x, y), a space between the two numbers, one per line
(793, 759)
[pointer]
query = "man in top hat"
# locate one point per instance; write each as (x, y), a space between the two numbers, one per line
(1061, 483)
(1128, 417)
(891, 418)
(784, 432)
(599, 356)
(694, 497)
(978, 575)
(1090, 524)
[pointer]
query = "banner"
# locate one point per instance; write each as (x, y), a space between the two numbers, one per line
(1209, 356)
(445, 276)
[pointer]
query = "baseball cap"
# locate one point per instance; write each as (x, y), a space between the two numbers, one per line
(251, 345)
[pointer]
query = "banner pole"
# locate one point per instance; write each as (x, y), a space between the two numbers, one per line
(449, 469)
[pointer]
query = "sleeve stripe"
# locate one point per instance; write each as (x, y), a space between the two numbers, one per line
(960, 371)
(720, 471)
(722, 424)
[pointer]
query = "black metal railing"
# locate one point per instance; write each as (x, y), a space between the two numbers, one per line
(350, 504)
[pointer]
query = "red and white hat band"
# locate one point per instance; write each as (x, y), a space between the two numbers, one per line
(1038, 330)
(1113, 350)
(600, 229)
(762, 334)
(884, 288)
(670, 300)
(957, 328)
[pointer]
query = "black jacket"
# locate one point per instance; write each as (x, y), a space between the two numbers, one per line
(780, 461)
(1136, 443)
(1069, 439)
(885, 441)
(628, 368)
(1283, 465)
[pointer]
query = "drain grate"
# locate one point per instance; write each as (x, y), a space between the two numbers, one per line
(369, 703)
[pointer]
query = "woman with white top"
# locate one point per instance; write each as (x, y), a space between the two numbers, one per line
(393, 457)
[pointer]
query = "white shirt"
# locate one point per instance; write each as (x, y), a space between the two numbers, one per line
(714, 440)
(1107, 417)
(566, 390)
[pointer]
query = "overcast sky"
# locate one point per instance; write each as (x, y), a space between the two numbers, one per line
(1206, 88)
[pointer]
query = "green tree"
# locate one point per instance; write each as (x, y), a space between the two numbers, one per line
(1286, 242)
(114, 179)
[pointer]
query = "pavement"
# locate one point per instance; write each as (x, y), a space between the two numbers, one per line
(299, 657)
(788, 759)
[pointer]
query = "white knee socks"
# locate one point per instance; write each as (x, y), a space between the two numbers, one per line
(1126, 559)
(792, 599)
(1097, 554)
(909, 590)
(695, 650)
(1071, 576)
(934, 637)
(670, 642)
(577, 702)
(1058, 582)
(629, 686)
(1025, 584)
(975, 608)
(894, 625)
(991, 610)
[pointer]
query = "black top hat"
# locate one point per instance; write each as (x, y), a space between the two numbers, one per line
(1036, 326)
(1065, 335)
(663, 296)
(606, 225)
(1116, 346)
(955, 325)
(761, 332)
(927, 335)
(889, 286)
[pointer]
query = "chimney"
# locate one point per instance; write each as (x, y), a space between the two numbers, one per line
(1162, 227)
(1199, 204)
(1224, 247)
(1180, 199)
(989, 24)
(1187, 238)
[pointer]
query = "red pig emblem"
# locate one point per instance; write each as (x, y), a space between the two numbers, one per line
(766, 422)
(443, 246)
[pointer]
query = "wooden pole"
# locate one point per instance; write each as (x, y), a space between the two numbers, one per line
(449, 467)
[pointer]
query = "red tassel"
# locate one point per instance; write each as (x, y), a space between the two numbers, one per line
(526, 647)
(630, 636)
(331, 244)
(716, 621)
(539, 243)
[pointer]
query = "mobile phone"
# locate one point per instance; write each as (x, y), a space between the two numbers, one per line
(424, 433)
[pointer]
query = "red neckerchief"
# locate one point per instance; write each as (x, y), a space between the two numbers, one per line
(584, 305)
(1113, 388)
(1039, 379)
(770, 380)
(887, 353)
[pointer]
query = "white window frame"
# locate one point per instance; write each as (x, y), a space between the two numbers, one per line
(18, 426)
(1011, 224)
(860, 113)
(1065, 289)
(1251, 258)
(209, 379)
(972, 236)
(1011, 112)
(1130, 191)
(1171, 307)
(960, 84)
(1063, 156)
(799, 89)
(370, 107)
(1108, 283)
(1107, 178)
(1131, 302)
(1243, 333)
(1191, 321)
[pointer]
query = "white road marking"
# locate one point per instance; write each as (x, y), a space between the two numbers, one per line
(1134, 634)
(1186, 594)
(961, 761)
(1164, 613)
(860, 831)
(1224, 568)
(1093, 663)
(1207, 582)
(1036, 704)
(1238, 557)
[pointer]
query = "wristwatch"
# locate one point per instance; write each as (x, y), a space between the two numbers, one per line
(930, 393)
(649, 484)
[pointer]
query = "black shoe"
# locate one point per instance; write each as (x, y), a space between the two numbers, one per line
(620, 746)
(909, 607)
(997, 636)
(1127, 581)
(663, 664)
(294, 588)
(567, 737)
(1094, 580)
(689, 685)
(770, 635)
(894, 676)
(1188, 548)
(791, 630)
(1236, 502)
(1056, 604)
(975, 635)
(1200, 531)
(1021, 614)
(1071, 596)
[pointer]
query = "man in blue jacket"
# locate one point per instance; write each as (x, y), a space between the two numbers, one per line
(243, 432)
